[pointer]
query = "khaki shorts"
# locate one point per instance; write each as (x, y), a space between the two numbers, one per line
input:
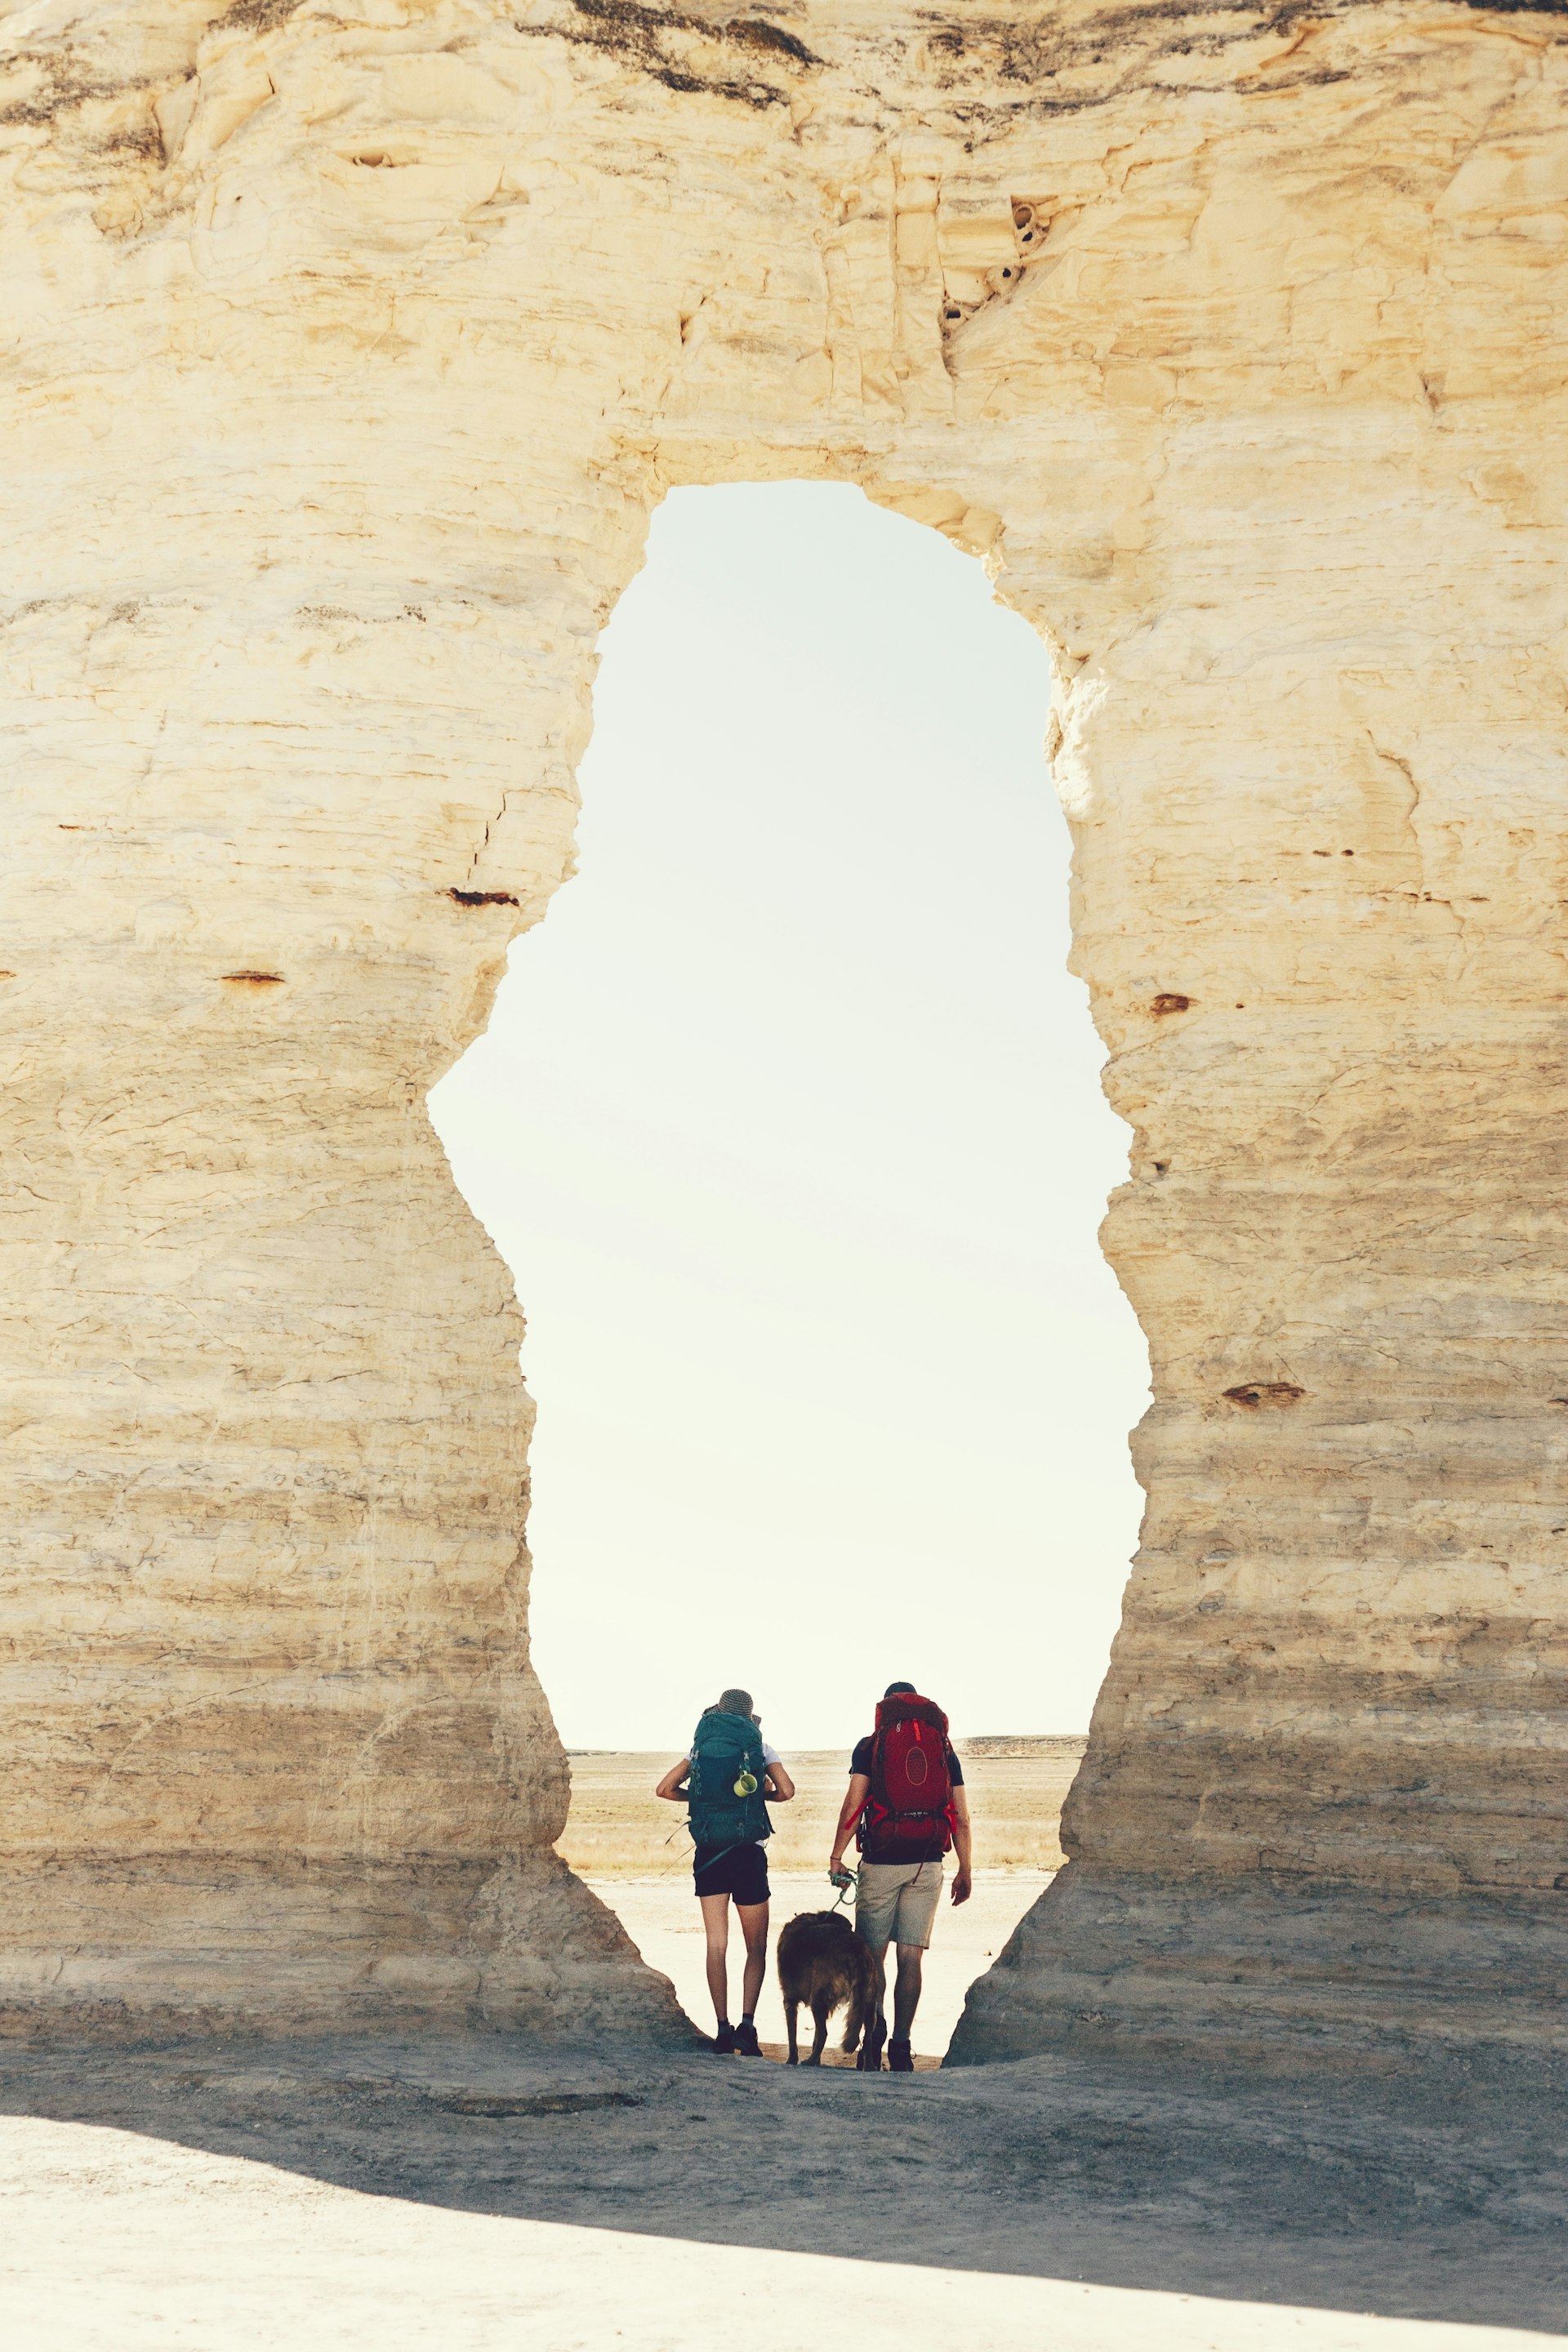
(895, 1902)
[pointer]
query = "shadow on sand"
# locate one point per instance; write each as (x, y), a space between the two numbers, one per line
(1436, 2192)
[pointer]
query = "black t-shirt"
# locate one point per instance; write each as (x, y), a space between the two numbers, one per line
(904, 1849)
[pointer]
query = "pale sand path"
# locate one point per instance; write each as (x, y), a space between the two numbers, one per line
(661, 1917)
(118, 2243)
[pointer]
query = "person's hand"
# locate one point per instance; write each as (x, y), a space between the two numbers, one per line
(962, 1887)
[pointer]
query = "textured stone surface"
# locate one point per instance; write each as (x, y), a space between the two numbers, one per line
(345, 349)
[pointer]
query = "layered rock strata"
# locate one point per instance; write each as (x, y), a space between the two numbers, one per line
(346, 349)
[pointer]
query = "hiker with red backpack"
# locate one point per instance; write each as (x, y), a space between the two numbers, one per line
(906, 1800)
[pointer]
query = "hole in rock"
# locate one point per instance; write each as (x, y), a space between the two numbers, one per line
(1254, 1395)
(788, 1121)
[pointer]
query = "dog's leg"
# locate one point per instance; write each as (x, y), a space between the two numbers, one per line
(819, 2011)
(790, 2008)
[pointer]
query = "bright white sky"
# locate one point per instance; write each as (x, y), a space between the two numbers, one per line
(788, 1124)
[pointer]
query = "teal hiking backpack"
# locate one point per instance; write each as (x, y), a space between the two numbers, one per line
(726, 1749)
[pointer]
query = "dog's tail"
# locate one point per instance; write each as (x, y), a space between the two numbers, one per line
(856, 2019)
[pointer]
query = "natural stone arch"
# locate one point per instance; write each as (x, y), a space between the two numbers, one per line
(350, 349)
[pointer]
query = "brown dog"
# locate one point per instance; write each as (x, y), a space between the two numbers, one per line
(823, 1962)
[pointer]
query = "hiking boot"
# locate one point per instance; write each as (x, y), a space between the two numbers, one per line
(746, 2042)
(869, 2061)
(900, 2057)
(724, 2042)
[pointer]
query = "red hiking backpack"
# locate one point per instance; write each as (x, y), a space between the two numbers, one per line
(911, 1788)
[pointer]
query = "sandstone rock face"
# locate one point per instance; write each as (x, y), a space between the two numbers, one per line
(347, 345)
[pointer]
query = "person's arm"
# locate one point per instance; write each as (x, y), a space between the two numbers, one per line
(963, 1877)
(673, 1784)
(776, 1783)
(854, 1805)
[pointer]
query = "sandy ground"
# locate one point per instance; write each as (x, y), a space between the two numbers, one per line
(471, 2192)
(478, 2193)
(662, 1918)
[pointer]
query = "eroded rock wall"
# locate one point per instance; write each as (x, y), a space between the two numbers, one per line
(346, 351)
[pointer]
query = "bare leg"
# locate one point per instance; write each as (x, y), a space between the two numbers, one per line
(790, 2009)
(906, 1990)
(876, 2033)
(755, 1927)
(716, 1924)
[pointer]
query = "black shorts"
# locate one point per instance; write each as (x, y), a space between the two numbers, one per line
(738, 1869)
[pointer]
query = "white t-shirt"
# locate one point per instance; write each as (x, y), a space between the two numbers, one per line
(770, 1756)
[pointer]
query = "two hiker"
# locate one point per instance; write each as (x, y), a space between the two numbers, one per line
(723, 1777)
(906, 1800)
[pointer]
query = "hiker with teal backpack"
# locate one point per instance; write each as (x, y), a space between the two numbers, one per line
(723, 1779)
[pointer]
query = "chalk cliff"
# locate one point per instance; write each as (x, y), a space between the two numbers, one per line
(346, 346)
